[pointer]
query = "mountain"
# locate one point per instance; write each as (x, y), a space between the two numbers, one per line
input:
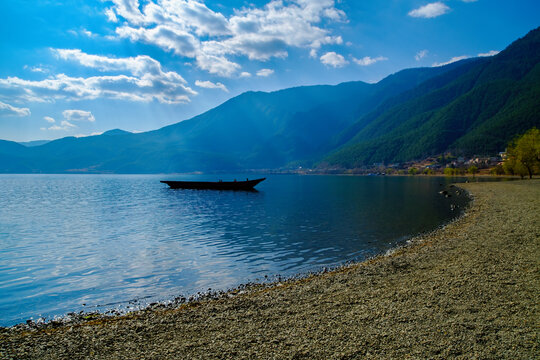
(476, 108)
(13, 158)
(253, 130)
(115, 132)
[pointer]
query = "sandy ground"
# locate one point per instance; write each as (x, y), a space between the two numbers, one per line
(470, 290)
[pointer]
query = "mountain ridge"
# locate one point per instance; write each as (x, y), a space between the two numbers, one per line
(473, 105)
(456, 116)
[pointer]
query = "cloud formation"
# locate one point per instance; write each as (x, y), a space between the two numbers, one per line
(463, 57)
(333, 59)
(265, 72)
(366, 61)
(188, 28)
(211, 85)
(145, 82)
(9, 110)
(452, 60)
(64, 126)
(36, 69)
(431, 10)
(489, 53)
(420, 55)
(78, 115)
(70, 116)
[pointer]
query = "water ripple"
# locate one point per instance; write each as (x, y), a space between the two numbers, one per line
(108, 240)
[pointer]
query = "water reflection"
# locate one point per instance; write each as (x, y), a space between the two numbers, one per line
(101, 240)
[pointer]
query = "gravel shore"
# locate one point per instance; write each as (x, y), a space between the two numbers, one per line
(469, 290)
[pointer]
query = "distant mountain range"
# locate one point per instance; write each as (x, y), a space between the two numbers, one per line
(474, 106)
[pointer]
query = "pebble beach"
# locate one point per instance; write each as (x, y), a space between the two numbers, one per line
(468, 290)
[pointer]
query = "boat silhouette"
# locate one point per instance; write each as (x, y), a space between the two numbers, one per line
(213, 185)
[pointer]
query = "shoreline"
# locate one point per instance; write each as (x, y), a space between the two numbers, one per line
(72, 318)
(374, 305)
(66, 311)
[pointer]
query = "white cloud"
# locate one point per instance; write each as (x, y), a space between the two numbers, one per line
(128, 9)
(143, 66)
(245, 74)
(69, 115)
(489, 53)
(120, 87)
(218, 65)
(88, 33)
(333, 59)
(463, 57)
(194, 15)
(77, 115)
(147, 81)
(420, 55)
(188, 28)
(67, 124)
(55, 128)
(111, 16)
(265, 72)
(366, 60)
(95, 133)
(431, 10)
(36, 69)
(211, 85)
(64, 126)
(170, 38)
(452, 60)
(9, 110)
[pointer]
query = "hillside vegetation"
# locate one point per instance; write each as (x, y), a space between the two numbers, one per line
(474, 109)
(475, 106)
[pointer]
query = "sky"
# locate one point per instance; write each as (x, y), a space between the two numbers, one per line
(79, 68)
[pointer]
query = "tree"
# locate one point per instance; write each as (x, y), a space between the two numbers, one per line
(413, 171)
(497, 170)
(449, 171)
(472, 170)
(523, 154)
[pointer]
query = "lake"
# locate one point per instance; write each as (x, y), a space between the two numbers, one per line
(99, 242)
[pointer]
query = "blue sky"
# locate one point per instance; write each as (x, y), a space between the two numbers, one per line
(77, 68)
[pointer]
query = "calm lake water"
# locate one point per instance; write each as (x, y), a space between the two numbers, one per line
(96, 242)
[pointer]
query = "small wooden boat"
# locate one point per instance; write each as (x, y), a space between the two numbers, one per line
(214, 185)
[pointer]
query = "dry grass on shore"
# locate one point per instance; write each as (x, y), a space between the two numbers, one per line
(470, 290)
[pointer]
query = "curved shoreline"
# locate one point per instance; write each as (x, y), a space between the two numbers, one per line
(468, 289)
(71, 318)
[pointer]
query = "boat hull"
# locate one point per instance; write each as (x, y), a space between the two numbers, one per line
(213, 185)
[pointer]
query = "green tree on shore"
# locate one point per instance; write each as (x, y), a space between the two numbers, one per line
(497, 170)
(523, 154)
(472, 170)
(413, 171)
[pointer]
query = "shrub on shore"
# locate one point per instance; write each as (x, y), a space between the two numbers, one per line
(523, 155)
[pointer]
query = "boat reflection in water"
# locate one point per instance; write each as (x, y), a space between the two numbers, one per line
(247, 185)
